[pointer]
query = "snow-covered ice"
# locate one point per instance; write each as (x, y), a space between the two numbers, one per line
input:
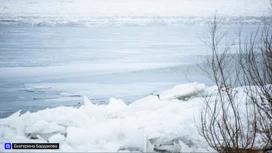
(147, 124)
(159, 122)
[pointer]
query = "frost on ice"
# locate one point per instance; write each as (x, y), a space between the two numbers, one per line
(149, 124)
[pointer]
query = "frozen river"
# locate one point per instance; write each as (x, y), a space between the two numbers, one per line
(49, 66)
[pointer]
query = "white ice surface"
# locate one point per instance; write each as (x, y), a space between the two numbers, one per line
(150, 123)
(139, 126)
(76, 69)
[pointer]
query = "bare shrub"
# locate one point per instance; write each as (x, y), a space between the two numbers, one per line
(255, 61)
(226, 122)
(239, 119)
